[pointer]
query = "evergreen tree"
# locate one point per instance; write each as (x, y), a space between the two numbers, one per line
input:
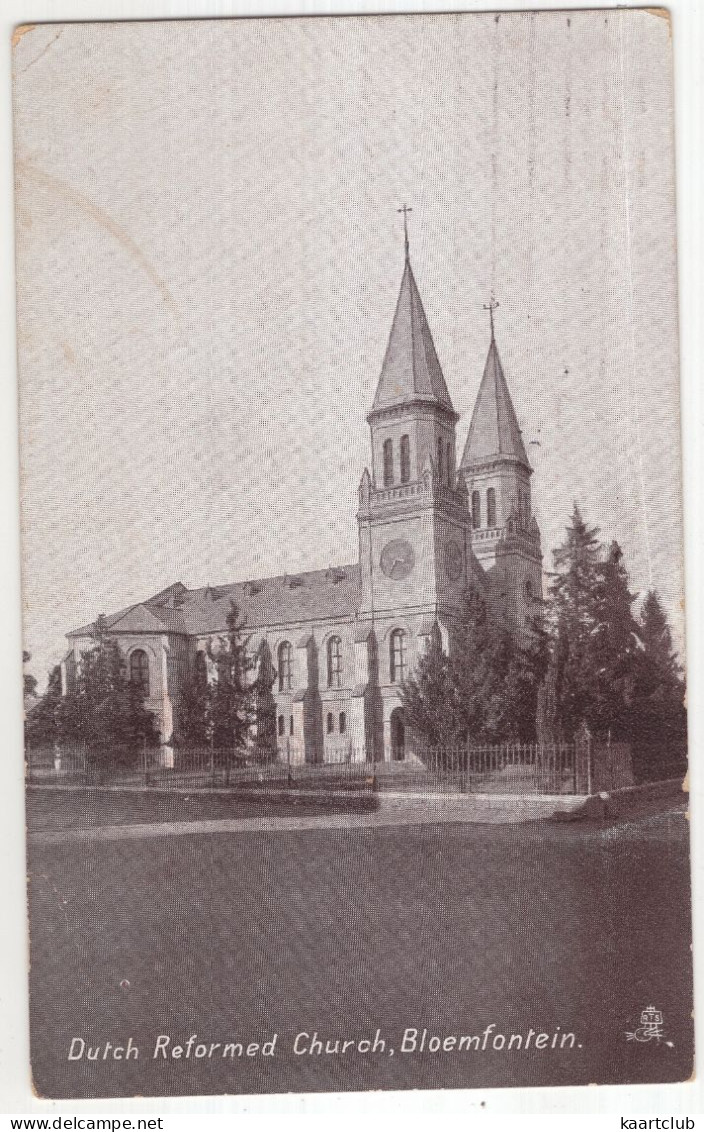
(430, 701)
(614, 649)
(40, 727)
(574, 622)
(194, 705)
(485, 691)
(659, 712)
(29, 681)
(105, 711)
(232, 695)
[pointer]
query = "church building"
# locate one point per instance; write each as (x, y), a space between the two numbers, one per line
(341, 641)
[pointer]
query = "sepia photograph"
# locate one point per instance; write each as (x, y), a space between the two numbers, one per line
(352, 554)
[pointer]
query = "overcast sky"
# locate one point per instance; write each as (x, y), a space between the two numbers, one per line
(209, 257)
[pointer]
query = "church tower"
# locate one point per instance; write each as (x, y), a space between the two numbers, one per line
(496, 471)
(414, 530)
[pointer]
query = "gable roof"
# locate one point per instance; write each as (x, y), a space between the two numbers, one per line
(493, 430)
(317, 595)
(411, 370)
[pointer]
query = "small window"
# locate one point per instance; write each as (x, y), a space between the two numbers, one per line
(285, 666)
(450, 462)
(405, 459)
(290, 726)
(476, 510)
(529, 589)
(441, 461)
(139, 670)
(491, 508)
(281, 725)
(334, 662)
(388, 463)
(331, 723)
(343, 723)
(398, 656)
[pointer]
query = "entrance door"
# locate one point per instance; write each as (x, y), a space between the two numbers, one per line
(398, 735)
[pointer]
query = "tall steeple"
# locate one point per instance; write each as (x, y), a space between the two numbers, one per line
(412, 515)
(411, 370)
(496, 473)
(494, 430)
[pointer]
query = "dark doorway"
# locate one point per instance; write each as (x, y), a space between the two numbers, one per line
(398, 735)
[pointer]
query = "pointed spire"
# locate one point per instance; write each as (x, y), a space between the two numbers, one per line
(493, 430)
(411, 369)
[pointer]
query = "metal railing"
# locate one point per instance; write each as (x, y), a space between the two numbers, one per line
(496, 769)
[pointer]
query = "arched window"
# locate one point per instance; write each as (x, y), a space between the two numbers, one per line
(139, 670)
(450, 462)
(529, 589)
(405, 459)
(441, 461)
(330, 723)
(334, 662)
(343, 723)
(285, 666)
(476, 510)
(290, 726)
(281, 725)
(388, 463)
(398, 656)
(491, 507)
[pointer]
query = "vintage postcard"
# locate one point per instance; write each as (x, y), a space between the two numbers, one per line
(352, 554)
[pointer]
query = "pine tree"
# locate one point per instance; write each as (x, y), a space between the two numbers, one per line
(484, 691)
(29, 681)
(231, 707)
(40, 727)
(429, 699)
(614, 647)
(105, 711)
(574, 621)
(194, 705)
(658, 712)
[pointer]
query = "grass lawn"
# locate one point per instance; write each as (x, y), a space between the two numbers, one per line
(235, 937)
(52, 809)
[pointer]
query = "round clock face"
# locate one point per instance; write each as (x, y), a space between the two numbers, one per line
(397, 559)
(453, 560)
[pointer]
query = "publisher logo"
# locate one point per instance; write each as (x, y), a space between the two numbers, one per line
(651, 1026)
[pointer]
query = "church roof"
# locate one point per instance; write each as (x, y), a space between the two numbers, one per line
(493, 430)
(317, 595)
(411, 369)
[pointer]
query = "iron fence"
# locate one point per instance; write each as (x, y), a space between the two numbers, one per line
(498, 769)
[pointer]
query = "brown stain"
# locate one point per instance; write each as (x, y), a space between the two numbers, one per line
(20, 31)
(660, 14)
(72, 196)
(68, 353)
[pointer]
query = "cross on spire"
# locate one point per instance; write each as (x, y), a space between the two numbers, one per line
(405, 210)
(491, 307)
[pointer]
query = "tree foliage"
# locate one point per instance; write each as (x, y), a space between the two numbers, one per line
(218, 703)
(104, 710)
(40, 727)
(609, 669)
(483, 691)
(659, 690)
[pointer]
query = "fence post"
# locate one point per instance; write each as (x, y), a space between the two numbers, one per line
(145, 765)
(227, 766)
(289, 780)
(212, 760)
